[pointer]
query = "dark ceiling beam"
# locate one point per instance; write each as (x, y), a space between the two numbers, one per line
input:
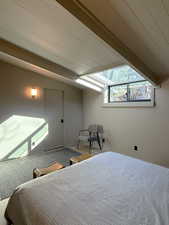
(76, 8)
(29, 57)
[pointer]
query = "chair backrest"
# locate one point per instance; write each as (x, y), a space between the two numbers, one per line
(94, 128)
(100, 129)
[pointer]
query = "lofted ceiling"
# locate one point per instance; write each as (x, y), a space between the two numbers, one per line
(45, 28)
(85, 36)
(142, 25)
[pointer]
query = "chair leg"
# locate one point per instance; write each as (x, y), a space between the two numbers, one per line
(90, 146)
(90, 142)
(78, 144)
(98, 140)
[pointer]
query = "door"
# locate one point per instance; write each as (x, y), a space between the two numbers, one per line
(54, 117)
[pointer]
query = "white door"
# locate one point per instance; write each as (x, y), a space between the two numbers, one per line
(54, 117)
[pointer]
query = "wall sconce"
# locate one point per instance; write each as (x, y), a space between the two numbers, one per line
(34, 92)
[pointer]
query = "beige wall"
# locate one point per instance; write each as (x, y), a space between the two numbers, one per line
(124, 127)
(15, 84)
(146, 127)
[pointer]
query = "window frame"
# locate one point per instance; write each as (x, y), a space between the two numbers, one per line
(128, 93)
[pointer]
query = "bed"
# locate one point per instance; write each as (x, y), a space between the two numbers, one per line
(107, 189)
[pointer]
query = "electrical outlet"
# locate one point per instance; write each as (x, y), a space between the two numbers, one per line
(135, 148)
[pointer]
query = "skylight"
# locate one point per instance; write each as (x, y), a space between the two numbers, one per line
(117, 75)
(90, 85)
(120, 85)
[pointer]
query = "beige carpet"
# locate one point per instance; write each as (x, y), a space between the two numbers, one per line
(84, 148)
(18, 171)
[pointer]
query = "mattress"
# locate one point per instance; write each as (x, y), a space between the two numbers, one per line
(107, 189)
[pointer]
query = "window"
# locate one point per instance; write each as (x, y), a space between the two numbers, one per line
(122, 86)
(138, 91)
(117, 93)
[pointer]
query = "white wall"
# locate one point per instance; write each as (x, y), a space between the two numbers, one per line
(15, 84)
(124, 127)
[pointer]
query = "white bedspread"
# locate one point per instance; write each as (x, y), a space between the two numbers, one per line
(108, 189)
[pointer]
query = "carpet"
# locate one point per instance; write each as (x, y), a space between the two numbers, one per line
(18, 171)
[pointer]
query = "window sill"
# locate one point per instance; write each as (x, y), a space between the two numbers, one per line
(128, 105)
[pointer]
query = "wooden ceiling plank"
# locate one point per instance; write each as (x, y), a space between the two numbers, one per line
(49, 30)
(22, 54)
(76, 8)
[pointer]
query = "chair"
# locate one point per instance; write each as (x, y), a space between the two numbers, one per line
(92, 134)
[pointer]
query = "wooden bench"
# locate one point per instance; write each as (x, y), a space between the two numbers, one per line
(80, 158)
(43, 171)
